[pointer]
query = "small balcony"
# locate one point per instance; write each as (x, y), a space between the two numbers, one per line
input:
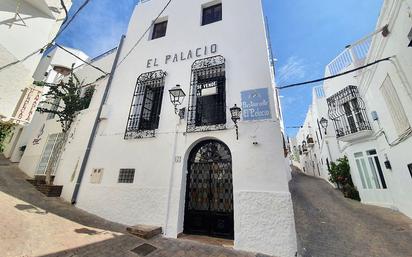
(310, 141)
(348, 113)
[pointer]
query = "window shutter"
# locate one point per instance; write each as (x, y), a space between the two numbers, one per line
(394, 105)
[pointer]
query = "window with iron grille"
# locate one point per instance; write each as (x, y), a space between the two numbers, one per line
(212, 14)
(145, 109)
(348, 112)
(159, 30)
(126, 176)
(207, 99)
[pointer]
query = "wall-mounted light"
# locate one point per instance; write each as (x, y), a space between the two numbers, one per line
(177, 95)
(324, 123)
(235, 113)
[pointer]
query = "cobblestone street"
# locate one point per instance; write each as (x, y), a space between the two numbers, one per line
(33, 225)
(330, 225)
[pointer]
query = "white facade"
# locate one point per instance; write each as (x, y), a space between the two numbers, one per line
(26, 27)
(41, 125)
(374, 132)
(262, 206)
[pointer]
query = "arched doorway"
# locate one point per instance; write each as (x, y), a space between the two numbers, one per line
(209, 191)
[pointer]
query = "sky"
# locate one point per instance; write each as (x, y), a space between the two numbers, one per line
(305, 34)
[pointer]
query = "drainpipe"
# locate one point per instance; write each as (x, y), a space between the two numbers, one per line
(172, 169)
(96, 124)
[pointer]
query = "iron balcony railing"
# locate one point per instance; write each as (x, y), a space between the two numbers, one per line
(348, 112)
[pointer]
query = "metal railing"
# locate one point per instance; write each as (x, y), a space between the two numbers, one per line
(353, 54)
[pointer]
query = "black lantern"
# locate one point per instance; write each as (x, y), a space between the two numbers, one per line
(235, 113)
(324, 123)
(304, 143)
(176, 97)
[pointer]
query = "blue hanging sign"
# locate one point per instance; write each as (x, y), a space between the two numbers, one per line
(255, 104)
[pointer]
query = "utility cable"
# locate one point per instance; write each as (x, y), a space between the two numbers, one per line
(40, 50)
(334, 76)
(86, 62)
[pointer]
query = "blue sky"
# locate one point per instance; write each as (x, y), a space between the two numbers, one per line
(306, 35)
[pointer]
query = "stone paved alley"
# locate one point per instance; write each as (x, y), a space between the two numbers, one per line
(330, 225)
(327, 225)
(33, 225)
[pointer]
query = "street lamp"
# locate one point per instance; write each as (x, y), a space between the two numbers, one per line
(176, 97)
(235, 113)
(324, 123)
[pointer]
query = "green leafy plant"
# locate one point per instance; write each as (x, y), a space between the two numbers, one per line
(6, 128)
(65, 100)
(340, 175)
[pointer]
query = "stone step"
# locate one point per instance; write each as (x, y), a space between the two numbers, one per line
(144, 231)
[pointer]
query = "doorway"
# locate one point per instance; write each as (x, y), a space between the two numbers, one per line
(209, 191)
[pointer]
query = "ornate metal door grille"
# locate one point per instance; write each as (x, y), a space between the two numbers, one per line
(144, 111)
(209, 192)
(207, 98)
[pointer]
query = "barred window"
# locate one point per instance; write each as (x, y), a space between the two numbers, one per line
(207, 100)
(126, 176)
(145, 109)
(348, 112)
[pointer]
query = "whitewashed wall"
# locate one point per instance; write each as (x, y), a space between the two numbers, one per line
(399, 17)
(259, 176)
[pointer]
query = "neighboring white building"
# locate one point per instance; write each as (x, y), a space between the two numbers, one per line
(52, 68)
(26, 27)
(370, 111)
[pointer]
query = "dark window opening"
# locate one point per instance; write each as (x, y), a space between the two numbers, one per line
(410, 38)
(212, 14)
(146, 105)
(207, 100)
(210, 101)
(410, 169)
(159, 30)
(126, 176)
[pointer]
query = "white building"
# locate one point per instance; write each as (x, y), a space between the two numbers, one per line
(141, 163)
(53, 67)
(370, 111)
(26, 28)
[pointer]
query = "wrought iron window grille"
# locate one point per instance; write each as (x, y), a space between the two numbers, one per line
(347, 110)
(144, 114)
(207, 96)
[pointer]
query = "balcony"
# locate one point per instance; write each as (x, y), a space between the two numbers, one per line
(348, 113)
(310, 141)
(353, 56)
(51, 8)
